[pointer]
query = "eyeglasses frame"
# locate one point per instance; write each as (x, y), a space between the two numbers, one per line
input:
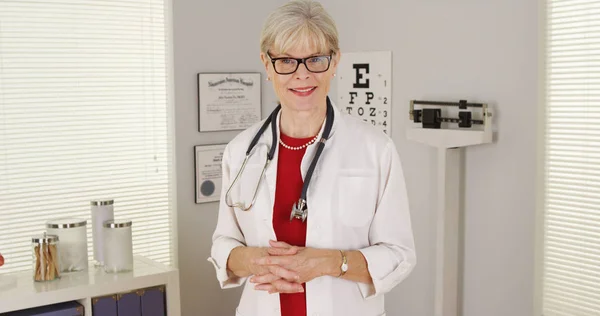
(300, 61)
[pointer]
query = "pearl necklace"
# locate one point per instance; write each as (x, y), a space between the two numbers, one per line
(312, 141)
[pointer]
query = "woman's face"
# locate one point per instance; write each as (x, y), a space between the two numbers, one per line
(301, 90)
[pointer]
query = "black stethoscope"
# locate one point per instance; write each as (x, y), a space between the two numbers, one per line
(299, 210)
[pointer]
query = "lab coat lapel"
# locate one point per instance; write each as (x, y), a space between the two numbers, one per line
(271, 173)
(311, 150)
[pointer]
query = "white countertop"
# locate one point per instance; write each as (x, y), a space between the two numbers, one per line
(19, 291)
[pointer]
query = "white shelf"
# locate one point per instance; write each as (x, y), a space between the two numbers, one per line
(18, 291)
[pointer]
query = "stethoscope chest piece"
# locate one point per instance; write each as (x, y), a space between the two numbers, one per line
(299, 211)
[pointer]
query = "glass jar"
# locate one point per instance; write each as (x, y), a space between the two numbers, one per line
(46, 265)
(118, 246)
(102, 210)
(72, 233)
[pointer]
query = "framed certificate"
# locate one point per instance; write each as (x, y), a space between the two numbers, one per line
(208, 172)
(228, 101)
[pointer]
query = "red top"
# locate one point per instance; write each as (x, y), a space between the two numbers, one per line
(289, 188)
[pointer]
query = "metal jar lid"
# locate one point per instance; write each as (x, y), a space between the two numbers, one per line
(44, 239)
(117, 224)
(66, 223)
(102, 202)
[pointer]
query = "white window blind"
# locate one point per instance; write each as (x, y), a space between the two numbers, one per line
(571, 278)
(83, 116)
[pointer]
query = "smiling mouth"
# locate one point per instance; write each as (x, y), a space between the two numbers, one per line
(303, 90)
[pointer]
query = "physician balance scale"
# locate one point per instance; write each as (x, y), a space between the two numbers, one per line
(459, 125)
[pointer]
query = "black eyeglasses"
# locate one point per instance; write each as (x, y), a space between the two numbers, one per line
(289, 65)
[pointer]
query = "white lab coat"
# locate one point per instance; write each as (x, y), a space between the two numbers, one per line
(357, 200)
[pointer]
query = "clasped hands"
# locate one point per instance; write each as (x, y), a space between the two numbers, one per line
(285, 268)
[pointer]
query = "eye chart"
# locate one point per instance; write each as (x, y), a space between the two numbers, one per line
(365, 87)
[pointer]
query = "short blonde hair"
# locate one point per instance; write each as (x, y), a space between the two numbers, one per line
(300, 22)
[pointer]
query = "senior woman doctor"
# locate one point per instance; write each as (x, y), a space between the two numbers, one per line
(349, 240)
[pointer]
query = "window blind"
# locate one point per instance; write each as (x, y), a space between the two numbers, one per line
(571, 278)
(83, 116)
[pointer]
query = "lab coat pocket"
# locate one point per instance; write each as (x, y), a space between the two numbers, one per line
(356, 196)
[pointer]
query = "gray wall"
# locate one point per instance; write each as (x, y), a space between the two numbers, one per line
(463, 49)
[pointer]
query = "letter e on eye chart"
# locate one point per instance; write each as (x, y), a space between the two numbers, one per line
(208, 172)
(364, 87)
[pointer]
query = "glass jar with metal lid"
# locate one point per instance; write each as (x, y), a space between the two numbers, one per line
(118, 246)
(101, 210)
(72, 233)
(46, 266)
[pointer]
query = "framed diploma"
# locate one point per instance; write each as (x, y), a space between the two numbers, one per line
(228, 101)
(208, 172)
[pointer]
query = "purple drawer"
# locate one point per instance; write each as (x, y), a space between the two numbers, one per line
(128, 304)
(61, 309)
(104, 306)
(153, 302)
